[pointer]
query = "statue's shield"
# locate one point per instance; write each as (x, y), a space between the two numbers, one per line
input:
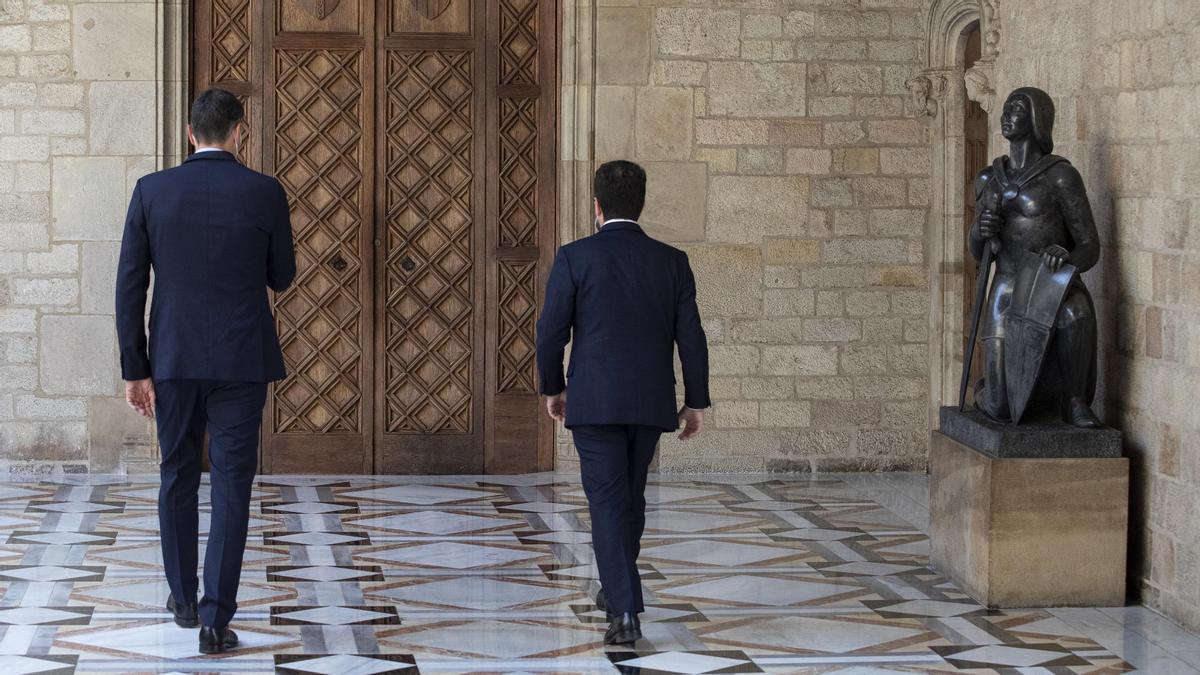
(1037, 295)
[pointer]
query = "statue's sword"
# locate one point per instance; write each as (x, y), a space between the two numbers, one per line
(990, 247)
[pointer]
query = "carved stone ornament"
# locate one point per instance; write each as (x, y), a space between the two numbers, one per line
(978, 81)
(991, 27)
(926, 90)
(320, 8)
(431, 9)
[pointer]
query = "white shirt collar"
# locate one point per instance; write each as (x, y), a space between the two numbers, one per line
(208, 149)
(619, 220)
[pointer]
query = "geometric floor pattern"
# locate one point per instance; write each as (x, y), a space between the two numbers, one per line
(347, 575)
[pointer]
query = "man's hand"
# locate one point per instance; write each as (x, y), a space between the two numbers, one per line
(139, 394)
(690, 422)
(557, 406)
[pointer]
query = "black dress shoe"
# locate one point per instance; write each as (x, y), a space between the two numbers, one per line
(625, 629)
(217, 640)
(185, 615)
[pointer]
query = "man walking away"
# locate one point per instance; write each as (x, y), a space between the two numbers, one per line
(624, 301)
(217, 235)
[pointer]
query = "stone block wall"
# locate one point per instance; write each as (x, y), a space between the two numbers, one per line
(80, 113)
(780, 152)
(1126, 78)
(783, 157)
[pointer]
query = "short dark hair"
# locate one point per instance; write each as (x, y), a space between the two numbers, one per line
(620, 187)
(214, 114)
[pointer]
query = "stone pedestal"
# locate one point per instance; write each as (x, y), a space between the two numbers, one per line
(1029, 532)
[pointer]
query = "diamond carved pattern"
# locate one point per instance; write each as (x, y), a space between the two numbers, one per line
(246, 154)
(518, 171)
(230, 41)
(318, 158)
(518, 326)
(518, 41)
(429, 264)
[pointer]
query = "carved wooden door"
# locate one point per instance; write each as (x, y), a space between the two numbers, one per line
(415, 139)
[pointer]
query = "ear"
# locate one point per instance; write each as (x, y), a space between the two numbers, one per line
(596, 208)
(192, 137)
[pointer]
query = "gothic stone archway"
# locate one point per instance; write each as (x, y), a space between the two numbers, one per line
(944, 86)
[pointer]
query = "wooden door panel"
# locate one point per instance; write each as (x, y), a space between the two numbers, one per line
(429, 345)
(231, 53)
(319, 156)
(420, 172)
(516, 341)
(519, 23)
(225, 33)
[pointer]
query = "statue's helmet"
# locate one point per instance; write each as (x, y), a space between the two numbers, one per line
(1041, 115)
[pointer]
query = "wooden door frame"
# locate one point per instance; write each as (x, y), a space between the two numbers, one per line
(550, 59)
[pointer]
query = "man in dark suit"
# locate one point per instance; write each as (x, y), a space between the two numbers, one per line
(625, 301)
(217, 235)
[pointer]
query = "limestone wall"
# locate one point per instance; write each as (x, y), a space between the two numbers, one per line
(781, 156)
(1125, 76)
(80, 110)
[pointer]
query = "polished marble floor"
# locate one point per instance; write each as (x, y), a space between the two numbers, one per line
(353, 575)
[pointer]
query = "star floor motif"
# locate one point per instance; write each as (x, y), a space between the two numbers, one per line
(348, 575)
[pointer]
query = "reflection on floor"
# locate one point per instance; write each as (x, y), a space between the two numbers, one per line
(465, 574)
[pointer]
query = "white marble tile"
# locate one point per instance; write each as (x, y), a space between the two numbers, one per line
(691, 521)
(682, 662)
(452, 555)
(760, 590)
(436, 522)
(1007, 655)
(343, 664)
(12, 664)
(419, 494)
(46, 573)
(62, 538)
(499, 639)
(316, 538)
(324, 573)
(166, 640)
(816, 634)
(32, 616)
(710, 552)
(335, 616)
(479, 593)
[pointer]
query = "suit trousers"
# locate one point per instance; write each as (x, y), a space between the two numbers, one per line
(231, 413)
(613, 461)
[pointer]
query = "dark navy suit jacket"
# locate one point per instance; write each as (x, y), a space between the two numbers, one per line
(217, 235)
(625, 301)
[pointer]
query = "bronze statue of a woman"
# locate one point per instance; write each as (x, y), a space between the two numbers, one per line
(1039, 323)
